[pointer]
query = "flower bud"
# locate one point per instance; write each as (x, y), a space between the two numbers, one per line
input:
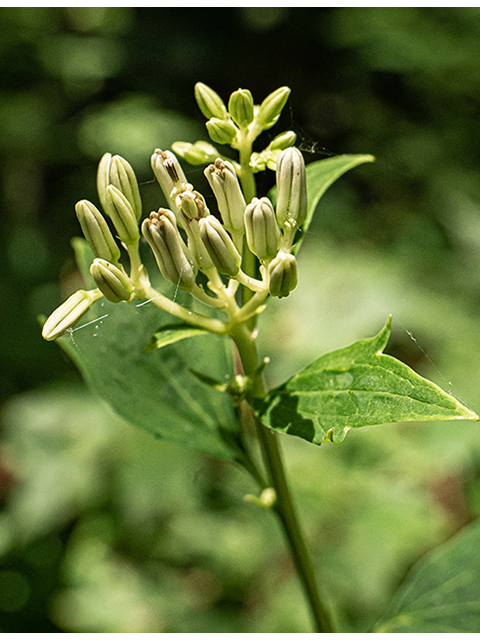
(283, 276)
(117, 171)
(123, 177)
(291, 188)
(272, 106)
(122, 216)
(67, 314)
(220, 246)
(96, 231)
(103, 180)
(258, 161)
(192, 205)
(240, 107)
(223, 181)
(199, 153)
(261, 229)
(112, 281)
(209, 102)
(283, 140)
(221, 131)
(170, 175)
(161, 233)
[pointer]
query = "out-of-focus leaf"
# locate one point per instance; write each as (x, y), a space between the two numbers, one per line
(155, 391)
(357, 386)
(84, 257)
(106, 594)
(442, 592)
(61, 444)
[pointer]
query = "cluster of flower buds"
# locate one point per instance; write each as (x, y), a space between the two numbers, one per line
(241, 120)
(186, 238)
(214, 245)
(120, 198)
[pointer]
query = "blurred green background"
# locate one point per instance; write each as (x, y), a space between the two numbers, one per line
(104, 529)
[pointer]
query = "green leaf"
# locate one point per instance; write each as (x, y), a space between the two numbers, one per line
(355, 387)
(155, 391)
(323, 173)
(320, 175)
(171, 333)
(84, 257)
(441, 594)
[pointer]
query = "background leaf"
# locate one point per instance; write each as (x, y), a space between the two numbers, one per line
(320, 175)
(323, 173)
(442, 592)
(154, 391)
(357, 386)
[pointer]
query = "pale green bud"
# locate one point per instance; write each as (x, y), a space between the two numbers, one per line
(261, 229)
(67, 314)
(199, 153)
(283, 276)
(103, 180)
(209, 102)
(97, 232)
(271, 107)
(257, 162)
(223, 181)
(221, 131)
(283, 140)
(122, 216)
(123, 177)
(192, 205)
(272, 158)
(269, 156)
(170, 175)
(291, 189)
(117, 171)
(240, 107)
(220, 246)
(161, 233)
(112, 281)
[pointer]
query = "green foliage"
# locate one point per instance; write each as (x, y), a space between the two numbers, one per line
(401, 238)
(354, 387)
(321, 175)
(442, 592)
(155, 391)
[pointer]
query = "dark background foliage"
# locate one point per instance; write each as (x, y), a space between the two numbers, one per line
(401, 235)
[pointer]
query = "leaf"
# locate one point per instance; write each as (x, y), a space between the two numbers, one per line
(320, 175)
(323, 173)
(84, 257)
(355, 387)
(441, 594)
(171, 333)
(155, 391)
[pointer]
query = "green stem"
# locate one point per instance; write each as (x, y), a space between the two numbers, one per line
(247, 179)
(197, 319)
(249, 188)
(284, 507)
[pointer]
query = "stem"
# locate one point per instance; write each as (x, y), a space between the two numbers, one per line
(197, 319)
(249, 188)
(247, 179)
(286, 512)
(284, 507)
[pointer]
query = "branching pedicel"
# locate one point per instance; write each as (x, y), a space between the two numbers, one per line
(232, 261)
